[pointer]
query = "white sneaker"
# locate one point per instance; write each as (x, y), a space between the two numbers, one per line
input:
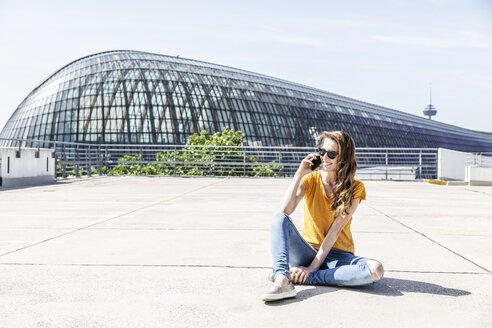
(279, 293)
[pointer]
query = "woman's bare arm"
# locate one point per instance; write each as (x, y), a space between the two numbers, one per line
(293, 195)
(296, 189)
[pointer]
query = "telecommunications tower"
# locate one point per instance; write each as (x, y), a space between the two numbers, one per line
(430, 110)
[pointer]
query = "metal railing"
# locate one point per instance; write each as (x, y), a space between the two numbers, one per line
(397, 163)
(480, 160)
(77, 159)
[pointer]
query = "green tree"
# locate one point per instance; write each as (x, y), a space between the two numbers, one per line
(217, 154)
(226, 160)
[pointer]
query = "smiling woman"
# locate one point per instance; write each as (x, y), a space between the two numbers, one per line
(324, 253)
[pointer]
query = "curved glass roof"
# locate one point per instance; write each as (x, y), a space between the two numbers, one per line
(137, 97)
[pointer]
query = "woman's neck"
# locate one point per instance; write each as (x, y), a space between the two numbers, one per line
(329, 177)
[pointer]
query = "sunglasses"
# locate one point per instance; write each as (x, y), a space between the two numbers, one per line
(331, 153)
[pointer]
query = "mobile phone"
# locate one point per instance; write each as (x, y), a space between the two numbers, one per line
(316, 163)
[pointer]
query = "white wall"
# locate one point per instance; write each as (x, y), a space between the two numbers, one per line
(451, 164)
(27, 169)
(479, 176)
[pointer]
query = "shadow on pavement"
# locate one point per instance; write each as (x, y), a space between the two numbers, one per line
(384, 287)
(396, 287)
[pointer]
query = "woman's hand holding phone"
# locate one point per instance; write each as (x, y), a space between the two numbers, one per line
(309, 163)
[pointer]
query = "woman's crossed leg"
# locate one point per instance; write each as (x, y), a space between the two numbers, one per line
(339, 268)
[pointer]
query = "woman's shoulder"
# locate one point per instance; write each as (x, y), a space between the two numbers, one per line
(357, 182)
(359, 190)
(311, 177)
(311, 181)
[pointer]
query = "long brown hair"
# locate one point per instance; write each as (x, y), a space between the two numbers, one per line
(345, 170)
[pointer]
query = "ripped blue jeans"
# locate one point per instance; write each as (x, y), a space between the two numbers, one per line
(289, 248)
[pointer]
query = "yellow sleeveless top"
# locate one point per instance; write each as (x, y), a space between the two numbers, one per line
(318, 215)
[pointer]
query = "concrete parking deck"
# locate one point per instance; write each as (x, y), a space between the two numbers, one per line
(194, 252)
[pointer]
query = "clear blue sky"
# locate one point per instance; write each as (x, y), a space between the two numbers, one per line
(384, 52)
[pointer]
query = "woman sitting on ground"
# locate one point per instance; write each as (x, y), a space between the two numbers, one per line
(324, 253)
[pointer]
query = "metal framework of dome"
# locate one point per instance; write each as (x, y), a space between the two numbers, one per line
(132, 97)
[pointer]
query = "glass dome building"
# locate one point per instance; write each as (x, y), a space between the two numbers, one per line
(132, 97)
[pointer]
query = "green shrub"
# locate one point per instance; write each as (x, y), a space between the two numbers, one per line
(70, 170)
(128, 165)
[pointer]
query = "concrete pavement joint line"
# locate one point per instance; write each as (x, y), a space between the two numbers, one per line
(140, 265)
(148, 229)
(440, 272)
(115, 217)
(211, 266)
(186, 229)
(213, 229)
(432, 240)
(233, 229)
(479, 191)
